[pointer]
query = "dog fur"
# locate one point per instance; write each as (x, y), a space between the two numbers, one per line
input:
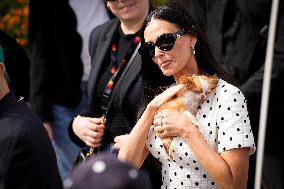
(189, 98)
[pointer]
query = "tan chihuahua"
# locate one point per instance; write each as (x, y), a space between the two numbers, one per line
(189, 98)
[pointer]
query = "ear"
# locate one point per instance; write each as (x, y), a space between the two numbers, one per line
(193, 40)
(1, 73)
(1, 70)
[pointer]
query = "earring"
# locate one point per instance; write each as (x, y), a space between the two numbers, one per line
(193, 50)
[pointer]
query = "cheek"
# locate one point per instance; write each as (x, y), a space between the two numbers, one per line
(181, 55)
(184, 54)
(155, 60)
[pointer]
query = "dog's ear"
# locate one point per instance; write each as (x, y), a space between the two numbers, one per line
(212, 81)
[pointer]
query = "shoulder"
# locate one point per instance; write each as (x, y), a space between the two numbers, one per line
(20, 119)
(20, 127)
(226, 90)
(103, 28)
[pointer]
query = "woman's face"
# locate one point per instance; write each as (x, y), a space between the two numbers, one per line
(129, 10)
(179, 60)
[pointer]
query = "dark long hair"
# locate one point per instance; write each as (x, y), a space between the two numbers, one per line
(152, 77)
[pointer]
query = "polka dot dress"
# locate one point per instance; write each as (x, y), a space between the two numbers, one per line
(224, 123)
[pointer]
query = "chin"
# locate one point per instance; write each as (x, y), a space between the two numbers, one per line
(167, 72)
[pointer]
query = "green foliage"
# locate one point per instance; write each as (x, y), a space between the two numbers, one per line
(14, 19)
(4, 6)
(158, 2)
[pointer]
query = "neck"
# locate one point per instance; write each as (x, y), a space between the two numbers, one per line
(189, 70)
(131, 28)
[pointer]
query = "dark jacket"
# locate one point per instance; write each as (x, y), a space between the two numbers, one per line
(26, 153)
(129, 98)
(55, 50)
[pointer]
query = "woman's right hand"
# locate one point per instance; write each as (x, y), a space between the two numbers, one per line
(90, 130)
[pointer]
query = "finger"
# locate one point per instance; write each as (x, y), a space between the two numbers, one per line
(101, 127)
(158, 115)
(116, 139)
(165, 96)
(159, 129)
(117, 146)
(166, 113)
(95, 127)
(157, 122)
(163, 134)
(119, 138)
(93, 141)
(96, 120)
(95, 134)
(159, 135)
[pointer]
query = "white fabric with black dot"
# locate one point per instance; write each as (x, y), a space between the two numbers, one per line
(223, 121)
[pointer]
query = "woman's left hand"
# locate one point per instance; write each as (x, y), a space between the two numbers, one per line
(173, 123)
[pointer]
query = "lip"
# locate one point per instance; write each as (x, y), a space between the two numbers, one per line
(164, 64)
(126, 6)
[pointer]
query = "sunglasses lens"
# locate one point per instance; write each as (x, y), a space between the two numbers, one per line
(148, 49)
(166, 42)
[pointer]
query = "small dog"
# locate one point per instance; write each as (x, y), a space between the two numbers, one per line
(189, 98)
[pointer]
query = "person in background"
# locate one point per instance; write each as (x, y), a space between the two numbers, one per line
(113, 48)
(239, 30)
(105, 171)
(27, 157)
(60, 64)
(17, 64)
(211, 149)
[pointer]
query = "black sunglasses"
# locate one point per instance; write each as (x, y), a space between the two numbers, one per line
(164, 42)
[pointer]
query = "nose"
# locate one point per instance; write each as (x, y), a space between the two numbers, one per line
(158, 52)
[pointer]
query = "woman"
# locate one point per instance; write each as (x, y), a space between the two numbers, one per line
(215, 152)
(110, 45)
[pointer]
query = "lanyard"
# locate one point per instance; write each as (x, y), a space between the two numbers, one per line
(117, 67)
